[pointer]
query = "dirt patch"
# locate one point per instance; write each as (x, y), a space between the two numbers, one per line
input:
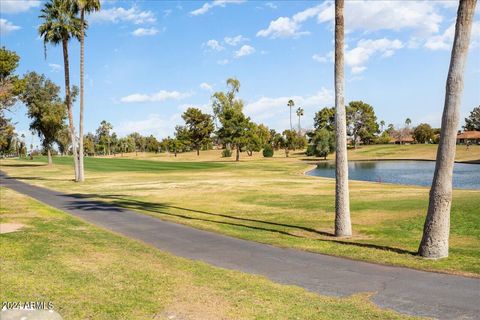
(10, 227)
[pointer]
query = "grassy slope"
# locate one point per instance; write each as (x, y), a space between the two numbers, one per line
(269, 200)
(89, 273)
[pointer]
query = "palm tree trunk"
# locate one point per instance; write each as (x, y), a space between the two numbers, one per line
(343, 226)
(81, 172)
(291, 127)
(436, 230)
(299, 125)
(68, 101)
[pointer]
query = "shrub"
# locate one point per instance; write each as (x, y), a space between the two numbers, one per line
(227, 153)
(267, 151)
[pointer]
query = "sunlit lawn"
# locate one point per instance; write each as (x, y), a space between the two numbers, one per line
(90, 273)
(271, 201)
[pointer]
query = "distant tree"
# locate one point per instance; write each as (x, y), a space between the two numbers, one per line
(182, 141)
(423, 133)
(199, 128)
(390, 128)
(289, 141)
(277, 141)
(325, 118)
(408, 121)
(383, 138)
(382, 124)
(361, 122)
(63, 140)
(104, 136)
(322, 143)
(152, 144)
(89, 144)
(45, 108)
(290, 105)
(300, 113)
(253, 141)
(473, 120)
(234, 123)
(264, 134)
(60, 24)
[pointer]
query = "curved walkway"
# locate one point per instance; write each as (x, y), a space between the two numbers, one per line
(404, 290)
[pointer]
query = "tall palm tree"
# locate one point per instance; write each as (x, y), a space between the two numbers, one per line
(382, 124)
(290, 104)
(408, 121)
(60, 24)
(436, 230)
(299, 114)
(343, 225)
(85, 6)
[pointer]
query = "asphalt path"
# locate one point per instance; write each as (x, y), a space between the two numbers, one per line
(404, 290)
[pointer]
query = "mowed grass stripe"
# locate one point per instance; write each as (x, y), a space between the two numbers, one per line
(123, 165)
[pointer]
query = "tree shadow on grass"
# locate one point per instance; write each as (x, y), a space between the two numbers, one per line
(118, 202)
(21, 165)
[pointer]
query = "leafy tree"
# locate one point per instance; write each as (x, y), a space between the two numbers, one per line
(322, 143)
(325, 118)
(60, 24)
(63, 140)
(264, 134)
(423, 133)
(268, 151)
(85, 6)
(152, 144)
(199, 128)
(45, 108)
(289, 141)
(361, 122)
(234, 123)
(11, 86)
(253, 140)
(384, 138)
(104, 137)
(182, 140)
(89, 144)
(473, 120)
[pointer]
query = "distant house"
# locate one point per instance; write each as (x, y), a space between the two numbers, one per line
(402, 140)
(468, 136)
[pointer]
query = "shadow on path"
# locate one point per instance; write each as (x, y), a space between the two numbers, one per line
(117, 202)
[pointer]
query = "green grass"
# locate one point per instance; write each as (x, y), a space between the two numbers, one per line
(271, 201)
(89, 273)
(129, 165)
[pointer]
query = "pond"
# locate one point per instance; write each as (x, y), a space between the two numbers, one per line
(465, 176)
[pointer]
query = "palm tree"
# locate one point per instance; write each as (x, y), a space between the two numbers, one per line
(436, 230)
(60, 24)
(299, 114)
(343, 225)
(85, 6)
(290, 104)
(408, 121)
(382, 124)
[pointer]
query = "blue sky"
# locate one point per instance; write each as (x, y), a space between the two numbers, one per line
(147, 61)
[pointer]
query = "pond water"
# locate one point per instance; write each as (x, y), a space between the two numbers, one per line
(465, 176)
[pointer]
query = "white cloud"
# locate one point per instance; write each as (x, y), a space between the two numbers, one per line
(233, 41)
(365, 49)
(119, 14)
(142, 32)
(271, 5)
(444, 41)
(223, 62)
(209, 5)
(206, 86)
(420, 16)
(357, 57)
(6, 27)
(159, 126)
(214, 45)
(244, 51)
(54, 67)
(162, 95)
(268, 108)
(16, 6)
